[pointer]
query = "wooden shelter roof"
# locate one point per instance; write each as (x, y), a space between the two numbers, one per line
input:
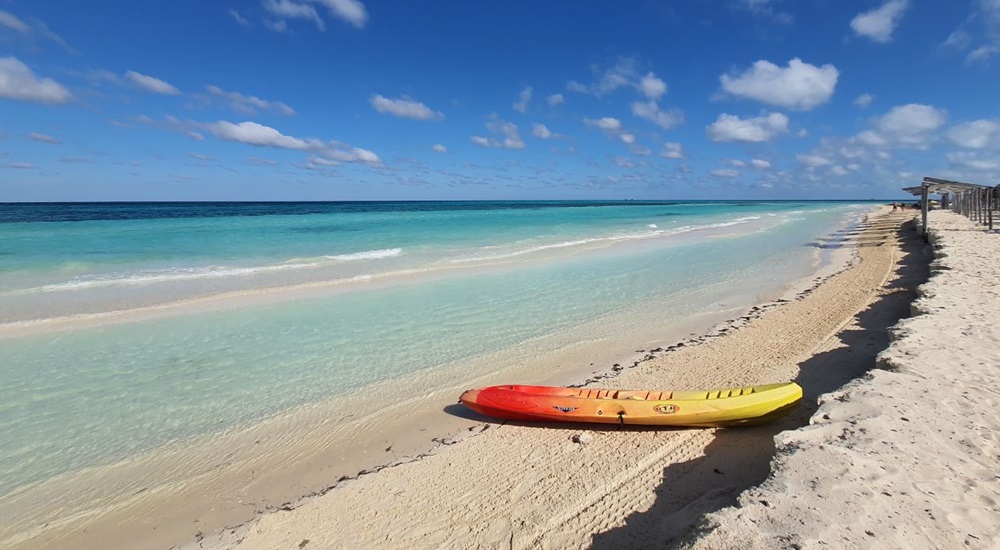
(938, 186)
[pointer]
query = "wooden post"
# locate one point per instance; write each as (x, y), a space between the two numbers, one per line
(923, 208)
(989, 207)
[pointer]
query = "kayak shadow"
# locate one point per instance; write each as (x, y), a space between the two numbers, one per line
(461, 411)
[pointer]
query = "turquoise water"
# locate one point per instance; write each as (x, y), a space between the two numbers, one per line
(396, 289)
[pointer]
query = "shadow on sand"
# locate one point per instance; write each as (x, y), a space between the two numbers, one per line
(738, 459)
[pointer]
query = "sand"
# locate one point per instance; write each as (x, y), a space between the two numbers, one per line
(907, 456)
(506, 485)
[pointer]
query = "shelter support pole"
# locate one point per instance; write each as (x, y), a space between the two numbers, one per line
(923, 208)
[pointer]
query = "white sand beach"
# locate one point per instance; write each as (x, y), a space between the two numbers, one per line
(905, 457)
(521, 486)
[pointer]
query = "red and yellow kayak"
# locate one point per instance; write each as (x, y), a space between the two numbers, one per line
(703, 408)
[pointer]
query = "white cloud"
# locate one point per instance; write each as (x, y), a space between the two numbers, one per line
(19, 165)
(737, 163)
(864, 100)
(627, 139)
(43, 138)
(522, 105)
(800, 86)
(438, 148)
(981, 53)
(239, 18)
(541, 131)
(977, 134)
(624, 162)
(980, 32)
(11, 21)
(199, 156)
(352, 11)
(608, 124)
(504, 134)
(725, 173)
(555, 99)
(814, 160)
(255, 134)
(763, 8)
(286, 9)
(971, 160)
(733, 128)
(151, 84)
(249, 104)
(839, 170)
(624, 73)
(652, 87)
(879, 23)
(404, 107)
(19, 82)
(650, 111)
(672, 150)
(31, 29)
(910, 125)
(760, 164)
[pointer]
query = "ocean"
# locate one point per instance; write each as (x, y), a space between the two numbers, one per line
(135, 330)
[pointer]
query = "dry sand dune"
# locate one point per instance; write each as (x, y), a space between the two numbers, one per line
(517, 486)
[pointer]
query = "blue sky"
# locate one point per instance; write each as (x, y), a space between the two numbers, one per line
(355, 100)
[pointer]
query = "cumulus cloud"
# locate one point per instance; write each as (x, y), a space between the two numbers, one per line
(864, 100)
(351, 11)
(252, 133)
(672, 150)
(608, 124)
(438, 148)
(652, 87)
(760, 164)
(43, 138)
(908, 126)
(977, 134)
(404, 107)
(19, 82)
(522, 104)
(151, 84)
(503, 135)
(649, 110)
(258, 135)
(733, 128)
(555, 99)
(248, 104)
(879, 23)
(541, 131)
(624, 73)
(799, 86)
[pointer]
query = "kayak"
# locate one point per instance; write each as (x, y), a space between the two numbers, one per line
(703, 408)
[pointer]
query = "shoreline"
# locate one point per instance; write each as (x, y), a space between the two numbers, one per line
(421, 446)
(904, 457)
(253, 534)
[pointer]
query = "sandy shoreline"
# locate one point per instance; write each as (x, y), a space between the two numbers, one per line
(907, 456)
(171, 494)
(531, 486)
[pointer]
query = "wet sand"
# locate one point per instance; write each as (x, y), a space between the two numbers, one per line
(519, 486)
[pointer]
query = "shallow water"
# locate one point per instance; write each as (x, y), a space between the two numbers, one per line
(396, 290)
